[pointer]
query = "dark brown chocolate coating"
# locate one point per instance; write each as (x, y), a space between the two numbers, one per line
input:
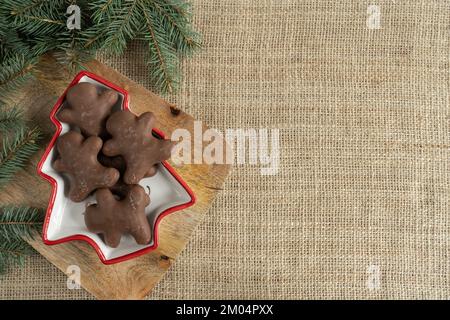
(132, 139)
(87, 108)
(121, 189)
(77, 157)
(118, 162)
(114, 218)
(114, 162)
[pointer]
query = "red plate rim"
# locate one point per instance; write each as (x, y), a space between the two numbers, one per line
(54, 183)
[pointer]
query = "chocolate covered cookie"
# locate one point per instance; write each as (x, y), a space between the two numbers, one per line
(77, 157)
(132, 139)
(119, 163)
(114, 162)
(87, 108)
(120, 189)
(114, 218)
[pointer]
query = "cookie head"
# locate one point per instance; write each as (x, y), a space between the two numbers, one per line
(77, 157)
(88, 107)
(114, 218)
(132, 139)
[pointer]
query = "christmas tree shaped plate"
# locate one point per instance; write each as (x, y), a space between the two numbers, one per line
(65, 219)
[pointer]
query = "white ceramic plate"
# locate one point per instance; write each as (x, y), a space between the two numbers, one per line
(65, 219)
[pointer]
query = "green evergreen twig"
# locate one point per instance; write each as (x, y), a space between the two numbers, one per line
(17, 223)
(14, 72)
(13, 252)
(10, 119)
(107, 26)
(16, 151)
(161, 59)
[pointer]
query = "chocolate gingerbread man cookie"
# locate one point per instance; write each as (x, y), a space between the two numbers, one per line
(132, 138)
(88, 108)
(114, 218)
(78, 159)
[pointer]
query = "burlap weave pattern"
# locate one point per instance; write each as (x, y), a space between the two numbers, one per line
(364, 179)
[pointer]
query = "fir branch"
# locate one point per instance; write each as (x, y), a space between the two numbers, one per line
(14, 69)
(37, 17)
(42, 44)
(13, 252)
(11, 44)
(19, 222)
(70, 52)
(110, 20)
(14, 72)
(44, 20)
(26, 6)
(10, 119)
(162, 59)
(31, 28)
(93, 38)
(121, 28)
(175, 19)
(103, 10)
(16, 151)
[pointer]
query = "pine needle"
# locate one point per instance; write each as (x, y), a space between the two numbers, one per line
(162, 59)
(31, 28)
(37, 17)
(22, 7)
(103, 10)
(70, 52)
(11, 44)
(14, 72)
(13, 252)
(16, 151)
(19, 222)
(175, 19)
(10, 119)
(121, 28)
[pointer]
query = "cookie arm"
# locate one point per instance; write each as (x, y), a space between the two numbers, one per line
(142, 235)
(108, 98)
(78, 190)
(59, 165)
(139, 226)
(109, 178)
(112, 238)
(134, 173)
(92, 145)
(67, 116)
(111, 148)
(146, 122)
(165, 147)
(93, 219)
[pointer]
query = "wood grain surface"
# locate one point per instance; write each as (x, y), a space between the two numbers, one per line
(135, 278)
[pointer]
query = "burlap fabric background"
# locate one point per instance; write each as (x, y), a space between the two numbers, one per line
(364, 180)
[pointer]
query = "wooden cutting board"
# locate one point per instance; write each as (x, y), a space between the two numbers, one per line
(135, 278)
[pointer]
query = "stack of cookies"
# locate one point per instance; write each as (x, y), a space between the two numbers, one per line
(108, 153)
